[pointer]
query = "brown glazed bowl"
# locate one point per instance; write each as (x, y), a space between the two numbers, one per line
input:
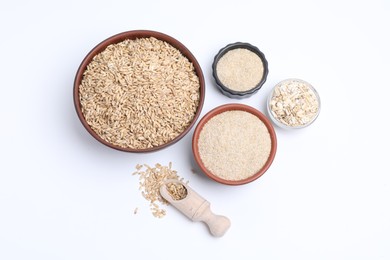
(230, 107)
(132, 35)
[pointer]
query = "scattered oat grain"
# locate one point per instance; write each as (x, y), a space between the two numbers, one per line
(151, 179)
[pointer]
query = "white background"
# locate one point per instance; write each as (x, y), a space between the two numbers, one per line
(63, 195)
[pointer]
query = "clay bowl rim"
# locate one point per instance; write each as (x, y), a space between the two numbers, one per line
(133, 35)
(230, 107)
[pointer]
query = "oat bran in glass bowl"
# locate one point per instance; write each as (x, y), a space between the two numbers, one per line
(139, 91)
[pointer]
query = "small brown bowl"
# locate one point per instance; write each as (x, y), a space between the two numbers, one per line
(132, 35)
(231, 107)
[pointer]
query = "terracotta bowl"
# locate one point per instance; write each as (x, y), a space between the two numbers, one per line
(230, 107)
(134, 35)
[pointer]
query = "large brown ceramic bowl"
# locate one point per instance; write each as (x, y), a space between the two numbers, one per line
(132, 35)
(231, 107)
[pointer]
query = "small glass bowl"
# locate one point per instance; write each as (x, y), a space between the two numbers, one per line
(282, 124)
(233, 93)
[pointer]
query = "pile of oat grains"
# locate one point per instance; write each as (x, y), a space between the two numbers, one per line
(139, 93)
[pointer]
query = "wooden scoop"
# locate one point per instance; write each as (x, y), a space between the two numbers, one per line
(196, 208)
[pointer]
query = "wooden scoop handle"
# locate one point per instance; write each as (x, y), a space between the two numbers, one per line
(217, 224)
(197, 208)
